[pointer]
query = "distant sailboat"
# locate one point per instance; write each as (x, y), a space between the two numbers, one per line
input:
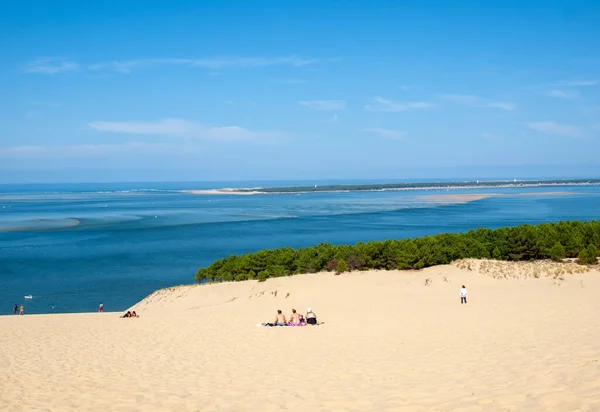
(28, 297)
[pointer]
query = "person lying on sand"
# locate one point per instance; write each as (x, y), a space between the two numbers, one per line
(295, 318)
(311, 317)
(130, 315)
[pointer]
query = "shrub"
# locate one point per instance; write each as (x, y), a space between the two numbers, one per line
(354, 262)
(558, 252)
(241, 276)
(496, 254)
(341, 267)
(332, 265)
(262, 276)
(588, 255)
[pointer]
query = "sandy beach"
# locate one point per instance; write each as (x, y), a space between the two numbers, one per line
(527, 340)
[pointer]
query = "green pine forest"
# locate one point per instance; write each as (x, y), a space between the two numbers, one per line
(556, 241)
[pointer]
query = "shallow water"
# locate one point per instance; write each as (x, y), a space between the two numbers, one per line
(72, 246)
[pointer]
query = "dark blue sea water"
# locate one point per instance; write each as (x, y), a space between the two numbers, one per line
(72, 246)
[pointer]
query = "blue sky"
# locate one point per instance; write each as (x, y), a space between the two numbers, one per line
(220, 90)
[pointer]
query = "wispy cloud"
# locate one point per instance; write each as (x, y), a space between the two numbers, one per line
(327, 105)
(50, 65)
(554, 128)
(214, 63)
(57, 65)
(508, 106)
(387, 133)
(386, 105)
(183, 128)
(590, 110)
(476, 101)
(577, 83)
(461, 98)
(562, 94)
(45, 104)
(289, 81)
(90, 150)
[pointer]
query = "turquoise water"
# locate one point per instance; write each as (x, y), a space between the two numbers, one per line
(72, 246)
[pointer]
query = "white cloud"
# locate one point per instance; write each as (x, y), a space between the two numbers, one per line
(91, 150)
(591, 110)
(182, 128)
(219, 62)
(577, 83)
(508, 106)
(164, 127)
(476, 101)
(50, 65)
(289, 81)
(45, 104)
(57, 65)
(387, 133)
(386, 105)
(461, 98)
(327, 105)
(563, 94)
(556, 128)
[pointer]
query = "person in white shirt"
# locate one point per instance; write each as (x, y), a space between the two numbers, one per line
(463, 295)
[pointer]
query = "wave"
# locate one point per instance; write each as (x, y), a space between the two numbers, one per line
(266, 217)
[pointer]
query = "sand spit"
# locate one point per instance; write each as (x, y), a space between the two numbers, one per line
(223, 192)
(392, 341)
(471, 197)
(39, 224)
(264, 191)
(458, 198)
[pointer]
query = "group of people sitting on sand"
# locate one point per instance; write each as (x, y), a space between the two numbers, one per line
(296, 319)
(130, 314)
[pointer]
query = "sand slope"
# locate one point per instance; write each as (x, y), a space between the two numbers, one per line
(392, 341)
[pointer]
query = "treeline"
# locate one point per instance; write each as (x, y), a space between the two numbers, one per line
(417, 185)
(555, 241)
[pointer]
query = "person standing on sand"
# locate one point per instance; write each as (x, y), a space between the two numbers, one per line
(22, 310)
(101, 307)
(15, 309)
(463, 295)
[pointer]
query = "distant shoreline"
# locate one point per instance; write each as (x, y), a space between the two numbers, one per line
(394, 187)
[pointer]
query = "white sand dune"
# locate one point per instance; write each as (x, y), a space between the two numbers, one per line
(392, 341)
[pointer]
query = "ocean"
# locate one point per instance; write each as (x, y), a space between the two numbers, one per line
(73, 246)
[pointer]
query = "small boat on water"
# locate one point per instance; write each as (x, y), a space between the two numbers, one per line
(28, 297)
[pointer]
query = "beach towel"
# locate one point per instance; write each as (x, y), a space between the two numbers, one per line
(272, 325)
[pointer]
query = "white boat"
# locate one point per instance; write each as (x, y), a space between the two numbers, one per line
(28, 297)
